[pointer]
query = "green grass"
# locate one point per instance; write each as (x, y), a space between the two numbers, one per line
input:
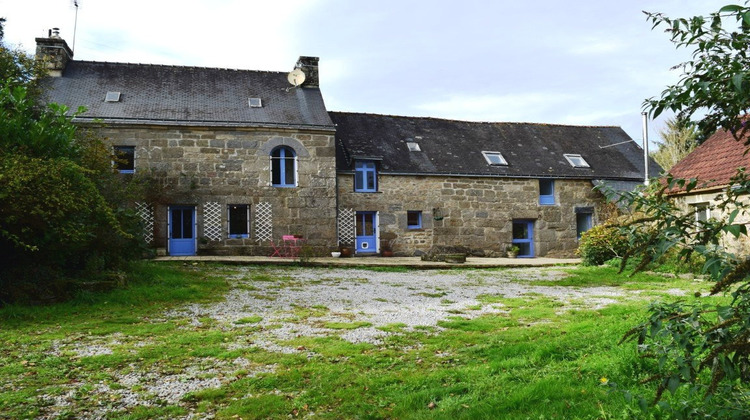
(532, 361)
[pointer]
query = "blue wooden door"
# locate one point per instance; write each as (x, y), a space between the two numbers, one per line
(523, 237)
(181, 230)
(366, 232)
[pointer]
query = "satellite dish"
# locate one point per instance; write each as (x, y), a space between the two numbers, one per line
(296, 77)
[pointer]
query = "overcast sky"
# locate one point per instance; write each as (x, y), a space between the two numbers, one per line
(545, 61)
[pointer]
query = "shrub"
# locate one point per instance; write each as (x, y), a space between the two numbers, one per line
(601, 243)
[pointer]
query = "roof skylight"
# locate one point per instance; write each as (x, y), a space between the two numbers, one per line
(112, 97)
(255, 103)
(413, 146)
(576, 161)
(495, 158)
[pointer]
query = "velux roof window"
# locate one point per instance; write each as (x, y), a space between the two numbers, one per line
(576, 161)
(495, 158)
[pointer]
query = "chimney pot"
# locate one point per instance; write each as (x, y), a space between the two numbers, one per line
(55, 33)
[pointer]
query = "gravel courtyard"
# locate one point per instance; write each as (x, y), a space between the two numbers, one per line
(266, 308)
(374, 300)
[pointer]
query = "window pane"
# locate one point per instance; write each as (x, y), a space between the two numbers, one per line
(546, 187)
(370, 180)
(359, 180)
(125, 158)
(177, 224)
(289, 170)
(187, 224)
(238, 219)
(583, 223)
(521, 230)
(276, 171)
(414, 219)
(524, 248)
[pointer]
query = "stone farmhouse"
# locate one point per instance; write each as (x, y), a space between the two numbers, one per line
(241, 158)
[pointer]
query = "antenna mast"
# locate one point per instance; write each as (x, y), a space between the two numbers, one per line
(75, 26)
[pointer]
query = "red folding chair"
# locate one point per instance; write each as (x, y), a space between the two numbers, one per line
(291, 247)
(277, 250)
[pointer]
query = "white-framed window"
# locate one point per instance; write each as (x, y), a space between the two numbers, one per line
(283, 167)
(576, 161)
(702, 211)
(238, 220)
(495, 158)
(124, 159)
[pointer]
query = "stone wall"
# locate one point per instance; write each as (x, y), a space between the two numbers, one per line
(472, 212)
(201, 166)
(739, 246)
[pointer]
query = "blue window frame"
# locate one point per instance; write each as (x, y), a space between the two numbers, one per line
(365, 176)
(414, 219)
(238, 220)
(124, 159)
(583, 223)
(523, 237)
(283, 167)
(546, 192)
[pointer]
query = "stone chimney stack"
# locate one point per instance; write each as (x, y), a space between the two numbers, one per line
(54, 51)
(309, 65)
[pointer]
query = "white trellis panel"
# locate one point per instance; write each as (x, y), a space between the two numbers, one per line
(346, 226)
(263, 222)
(146, 213)
(212, 221)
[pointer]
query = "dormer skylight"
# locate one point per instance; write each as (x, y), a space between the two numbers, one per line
(413, 145)
(576, 161)
(495, 158)
(254, 103)
(112, 97)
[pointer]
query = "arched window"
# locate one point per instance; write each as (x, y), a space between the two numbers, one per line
(283, 167)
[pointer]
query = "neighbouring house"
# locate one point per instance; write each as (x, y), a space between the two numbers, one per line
(713, 164)
(240, 158)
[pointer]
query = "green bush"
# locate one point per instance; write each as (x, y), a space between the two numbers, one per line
(601, 243)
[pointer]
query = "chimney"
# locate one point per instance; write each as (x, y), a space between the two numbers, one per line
(54, 51)
(309, 65)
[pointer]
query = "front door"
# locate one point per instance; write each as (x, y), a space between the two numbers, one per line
(181, 230)
(366, 232)
(523, 237)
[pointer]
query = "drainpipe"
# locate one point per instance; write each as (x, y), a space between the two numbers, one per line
(645, 147)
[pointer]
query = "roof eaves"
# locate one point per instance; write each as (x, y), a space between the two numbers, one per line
(201, 123)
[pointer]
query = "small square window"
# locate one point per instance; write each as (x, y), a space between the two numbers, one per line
(546, 192)
(413, 146)
(495, 158)
(576, 161)
(255, 103)
(414, 219)
(124, 159)
(238, 217)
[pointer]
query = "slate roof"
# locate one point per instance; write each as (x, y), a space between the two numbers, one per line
(713, 162)
(177, 95)
(452, 147)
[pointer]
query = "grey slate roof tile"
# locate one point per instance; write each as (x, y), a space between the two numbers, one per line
(451, 147)
(187, 95)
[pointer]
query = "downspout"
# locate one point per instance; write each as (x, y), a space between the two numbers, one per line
(645, 147)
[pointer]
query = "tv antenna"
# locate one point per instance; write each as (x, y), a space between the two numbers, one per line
(75, 25)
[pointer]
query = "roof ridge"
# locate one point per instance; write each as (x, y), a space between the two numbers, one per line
(472, 122)
(174, 66)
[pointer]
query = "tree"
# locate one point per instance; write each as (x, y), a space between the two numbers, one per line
(63, 212)
(700, 352)
(677, 140)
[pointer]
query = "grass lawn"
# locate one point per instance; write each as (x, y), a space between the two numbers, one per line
(121, 355)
